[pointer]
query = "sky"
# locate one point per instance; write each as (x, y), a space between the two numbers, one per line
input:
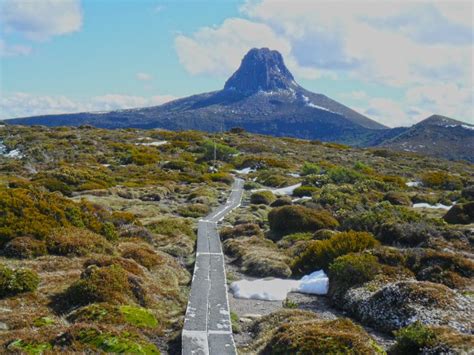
(397, 62)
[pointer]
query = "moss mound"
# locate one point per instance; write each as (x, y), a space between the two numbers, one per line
(462, 213)
(350, 270)
(319, 254)
(397, 198)
(13, 282)
(301, 332)
(25, 248)
(74, 241)
(292, 219)
(262, 198)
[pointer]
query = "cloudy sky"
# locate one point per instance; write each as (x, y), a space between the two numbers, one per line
(397, 62)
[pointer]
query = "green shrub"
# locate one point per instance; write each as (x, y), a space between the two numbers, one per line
(74, 241)
(304, 191)
(462, 213)
(413, 338)
(319, 254)
(341, 175)
(441, 180)
(102, 284)
(348, 271)
(194, 210)
(292, 219)
(142, 254)
(241, 230)
(397, 198)
(220, 177)
(339, 336)
(310, 169)
(406, 234)
(25, 248)
(13, 282)
(282, 201)
(223, 152)
(262, 197)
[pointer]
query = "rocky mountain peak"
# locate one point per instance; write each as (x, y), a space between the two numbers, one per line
(261, 70)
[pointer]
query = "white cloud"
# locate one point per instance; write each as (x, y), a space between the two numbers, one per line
(446, 98)
(411, 45)
(7, 50)
(24, 104)
(40, 20)
(220, 49)
(144, 76)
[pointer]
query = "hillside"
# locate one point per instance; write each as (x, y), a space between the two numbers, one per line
(438, 136)
(98, 241)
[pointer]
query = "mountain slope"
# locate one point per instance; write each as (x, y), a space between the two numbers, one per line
(438, 136)
(261, 96)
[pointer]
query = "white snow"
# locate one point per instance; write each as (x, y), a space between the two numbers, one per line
(245, 171)
(277, 289)
(153, 144)
(310, 104)
(413, 183)
(15, 153)
(286, 190)
(304, 198)
(462, 126)
(294, 174)
(438, 206)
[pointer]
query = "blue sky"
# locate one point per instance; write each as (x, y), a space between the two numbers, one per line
(396, 62)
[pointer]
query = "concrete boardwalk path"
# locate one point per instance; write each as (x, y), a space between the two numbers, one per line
(207, 327)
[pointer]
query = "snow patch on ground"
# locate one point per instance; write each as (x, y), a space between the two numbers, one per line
(15, 153)
(245, 171)
(438, 206)
(413, 183)
(294, 174)
(310, 104)
(153, 144)
(286, 190)
(462, 126)
(278, 289)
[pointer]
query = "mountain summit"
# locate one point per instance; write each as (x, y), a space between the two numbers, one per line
(261, 96)
(261, 70)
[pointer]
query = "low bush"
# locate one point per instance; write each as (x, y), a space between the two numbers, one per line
(462, 213)
(25, 248)
(441, 180)
(292, 219)
(262, 197)
(310, 169)
(194, 210)
(110, 284)
(406, 234)
(304, 191)
(340, 336)
(397, 198)
(419, 338)
(341, 175)
(220, 177)
(348, 271)
(319, 254)
(74, 241)
(142, 254)
(13, 282)
(282, 201)
(413, 339)
(241, 230)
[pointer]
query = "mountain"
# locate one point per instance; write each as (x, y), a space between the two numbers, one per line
(438, 136)
(261, 96)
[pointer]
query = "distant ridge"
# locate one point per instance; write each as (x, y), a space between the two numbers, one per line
(262, 96)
